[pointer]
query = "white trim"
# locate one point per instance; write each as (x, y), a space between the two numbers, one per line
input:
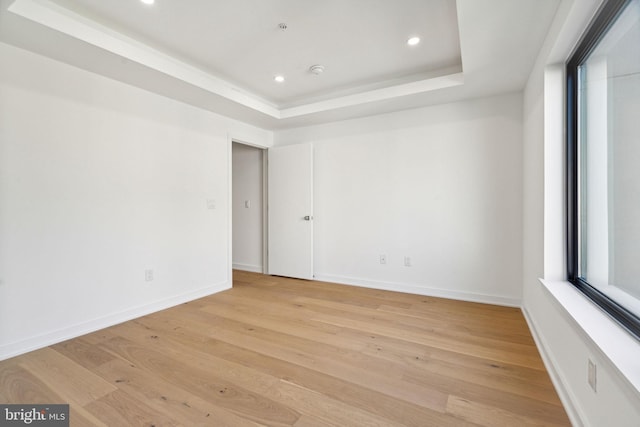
(566, 397)
(36, 342)
(265, 260)
(555, 266)
(265, 211)
(230, 209)
(421, 290)
(248, 267)
(421, 86)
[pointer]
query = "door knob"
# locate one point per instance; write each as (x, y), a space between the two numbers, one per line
(308, 218)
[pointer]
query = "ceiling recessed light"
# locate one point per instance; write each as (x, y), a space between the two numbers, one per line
(413, 41)
(148, 1)
(279, 78)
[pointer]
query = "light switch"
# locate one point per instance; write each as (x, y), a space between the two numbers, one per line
(211, 203)
(247, 204)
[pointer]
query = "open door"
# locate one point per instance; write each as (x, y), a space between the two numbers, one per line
(290, 188)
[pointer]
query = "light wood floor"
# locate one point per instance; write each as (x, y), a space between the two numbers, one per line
(283, 352)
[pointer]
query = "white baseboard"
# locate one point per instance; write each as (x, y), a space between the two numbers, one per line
(248, 267)
(53, 337)
(421, 290)
(556, 378)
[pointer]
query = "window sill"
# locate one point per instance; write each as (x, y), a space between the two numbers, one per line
(617, 345)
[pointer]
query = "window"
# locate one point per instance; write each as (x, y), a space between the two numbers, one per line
(603, 162)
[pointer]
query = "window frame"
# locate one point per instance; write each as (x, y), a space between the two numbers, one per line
(603, 20)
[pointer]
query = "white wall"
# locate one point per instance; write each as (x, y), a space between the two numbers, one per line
(100, 181)
(441, 185)
(247, 217)
(565, 341)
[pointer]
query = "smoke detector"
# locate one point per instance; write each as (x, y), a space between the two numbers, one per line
(316, 69)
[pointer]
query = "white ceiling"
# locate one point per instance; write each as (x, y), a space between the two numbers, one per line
(223, 55)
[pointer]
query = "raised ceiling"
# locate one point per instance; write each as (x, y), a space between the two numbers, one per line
(223, 55)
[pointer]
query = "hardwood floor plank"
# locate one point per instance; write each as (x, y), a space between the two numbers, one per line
(350, 342)
(523, 381)
(529, 382)
(326, 311)
(273, 310)
(515, 354)
(204, 384)
(278, 318)
(204, 353)
(490, 335)
(74, 384)
(490, 416)
(327, 409)
(121, 409)
(81, 351)
(494, 398)
(275, 351)
(308, 421)
(311, 355)
(18, 385)
(168, 398)
(99, 336)
(80, 417)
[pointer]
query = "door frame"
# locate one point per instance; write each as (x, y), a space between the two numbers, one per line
(265, 198)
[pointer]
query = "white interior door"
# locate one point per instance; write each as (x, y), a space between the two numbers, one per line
(290, 184)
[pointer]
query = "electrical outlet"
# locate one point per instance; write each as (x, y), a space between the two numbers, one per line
(211, 204)
(148, 275)
(407, 261)
(383, 259)
(592, 377)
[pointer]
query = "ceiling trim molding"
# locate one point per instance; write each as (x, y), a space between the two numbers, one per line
(53, 16)
(412, 88)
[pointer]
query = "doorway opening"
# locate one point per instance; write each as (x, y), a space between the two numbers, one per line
(248, 208)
